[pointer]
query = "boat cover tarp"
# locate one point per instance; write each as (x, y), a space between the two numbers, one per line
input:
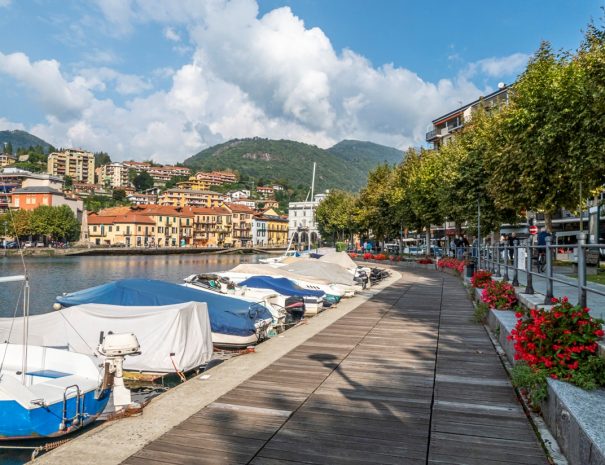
(268, 270)
(316, 268)
(339, 258)
(182, 329)
(281, 285)
(228, 315)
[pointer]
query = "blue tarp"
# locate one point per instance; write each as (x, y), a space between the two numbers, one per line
(281, 285)
(228, 315)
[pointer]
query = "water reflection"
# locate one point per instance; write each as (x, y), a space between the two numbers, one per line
(52, 276)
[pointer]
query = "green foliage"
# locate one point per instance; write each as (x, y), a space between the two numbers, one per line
(68, 182)
(480, 313)
(94, 203)
(118, 194)
(174, 180)
(54, 223)
(375, 205)
(533, 382)
(292, 162)
(142, 181)
(335, 214)
(102, 158)
(591, 373)
(341, 246)
(17, 223)
(28, 166)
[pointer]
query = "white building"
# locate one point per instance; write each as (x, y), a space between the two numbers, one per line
(243, 194)
(259, 231)
(114, 175)
(301, 221)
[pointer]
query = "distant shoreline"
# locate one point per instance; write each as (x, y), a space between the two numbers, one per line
(108, 251)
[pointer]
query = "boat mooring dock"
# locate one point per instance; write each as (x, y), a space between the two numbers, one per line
(404, 378)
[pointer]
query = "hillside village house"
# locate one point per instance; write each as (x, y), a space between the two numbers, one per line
(190, 197)
(212, 227)
(217, 178)
(265, 191)
(259, 230)
(142, 199)
(6, 159)
(193, 184)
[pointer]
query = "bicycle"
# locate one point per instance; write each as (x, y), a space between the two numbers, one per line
(541, 261)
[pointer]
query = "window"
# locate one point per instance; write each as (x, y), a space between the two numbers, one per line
(139, 228)
(110, 228)
(117, 229)
(173, 230)
(94, 228)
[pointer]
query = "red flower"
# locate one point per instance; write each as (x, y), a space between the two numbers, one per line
(599, 333)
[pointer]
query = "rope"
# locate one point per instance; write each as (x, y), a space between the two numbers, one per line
(93, 351)
(178, 372)
(10, 331)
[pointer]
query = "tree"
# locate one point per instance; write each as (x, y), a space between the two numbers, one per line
(8, 148)
(118, 195)
(172, 182)
(335, 215)
(143, 181)
(68, 182)
(55, 223)
(102, 158)
(17, 223)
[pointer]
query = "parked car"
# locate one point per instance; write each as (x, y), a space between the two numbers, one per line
(27, 244)
(9, 245)
(413, 250)
(39, 244)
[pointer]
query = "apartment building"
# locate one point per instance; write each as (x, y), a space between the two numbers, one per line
(216, 178)
(242, 218)
(260, 235)
(265, 191)
(44, 190)
(211, 227)
(75, 163)
(191, 198)
(114, 175)
(160, 174)
(446, 126)
(194, 184)
(302, 226)
(142, 199)
(7, 159)
(277, 228)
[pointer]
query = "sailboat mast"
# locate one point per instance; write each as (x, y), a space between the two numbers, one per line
(25, 328)
(312, 221)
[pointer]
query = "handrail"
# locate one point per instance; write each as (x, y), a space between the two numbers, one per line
(493, 257)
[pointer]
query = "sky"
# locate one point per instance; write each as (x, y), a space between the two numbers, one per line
(164, 79)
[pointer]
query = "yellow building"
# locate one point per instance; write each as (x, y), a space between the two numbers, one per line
(77, 164)
(277, 228)
(190, 198)
(7, 159)
(194, 184)
(242, 218)
(130, 230)
(212, 227)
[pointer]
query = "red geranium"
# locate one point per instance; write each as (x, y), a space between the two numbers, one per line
(424, 261)
(500, 295)
(481, 278)
(451, 263)
(558, 341)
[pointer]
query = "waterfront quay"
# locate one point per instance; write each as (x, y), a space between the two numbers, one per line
(399, 374)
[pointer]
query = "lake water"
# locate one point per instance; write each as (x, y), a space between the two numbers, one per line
(52, 276)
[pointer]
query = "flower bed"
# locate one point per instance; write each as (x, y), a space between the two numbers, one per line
(481, 278)
(424, 261)
(380, 256)
(561, 343)
(499, 295)
(451, 263)
(353, 255)
(368, 256)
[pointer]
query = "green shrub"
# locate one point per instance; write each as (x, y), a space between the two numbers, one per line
(480, 313)
(531, 381)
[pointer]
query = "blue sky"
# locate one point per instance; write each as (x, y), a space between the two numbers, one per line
(163, 79)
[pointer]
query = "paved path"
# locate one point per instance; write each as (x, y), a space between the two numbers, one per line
(405, 378)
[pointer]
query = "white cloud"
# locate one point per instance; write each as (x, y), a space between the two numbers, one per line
(5, 3)
(499, 66)
(172, 35)
(268, 76)
(6, 125)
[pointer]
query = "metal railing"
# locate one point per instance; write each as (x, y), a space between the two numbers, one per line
(503, 260)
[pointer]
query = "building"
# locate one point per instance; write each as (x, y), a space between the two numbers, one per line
(155, 225)
(77, 164)
(265, 191)
(194, 184)
(7, 159)
(113, 175)
(83, 189)
(447, 125)
(302, 227)
(217, 178)
(142, 199)
(241, 194)
(250, 203)
(242, 218)
(12, 179)
(277, 187)
(277, 228)
(260, 234)
(160, 174)
(212, 227)
(191, 198)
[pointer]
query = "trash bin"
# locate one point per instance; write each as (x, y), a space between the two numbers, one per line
(470, 269)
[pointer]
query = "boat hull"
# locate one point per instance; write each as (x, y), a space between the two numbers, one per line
(18, 422)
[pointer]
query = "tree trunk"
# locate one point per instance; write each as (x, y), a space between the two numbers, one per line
(428, 241)
(548, 221)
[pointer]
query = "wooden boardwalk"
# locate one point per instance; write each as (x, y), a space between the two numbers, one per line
(405, 378)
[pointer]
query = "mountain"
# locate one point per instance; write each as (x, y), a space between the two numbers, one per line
(344, 166)
(21, 139)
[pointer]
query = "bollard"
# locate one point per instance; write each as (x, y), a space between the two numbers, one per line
(549, 272)
(581, 270)
(497, 264)
(515, 266)
(505, 278)
(529, 289)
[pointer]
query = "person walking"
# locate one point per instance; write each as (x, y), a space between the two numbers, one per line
(513, 241)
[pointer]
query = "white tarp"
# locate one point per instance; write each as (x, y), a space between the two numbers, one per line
(322, 270)
(340, 259)
(268, 270)
(182, 329)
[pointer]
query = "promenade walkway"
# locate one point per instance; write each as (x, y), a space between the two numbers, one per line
(405, 378)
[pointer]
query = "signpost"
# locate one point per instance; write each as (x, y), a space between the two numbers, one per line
(533, 230)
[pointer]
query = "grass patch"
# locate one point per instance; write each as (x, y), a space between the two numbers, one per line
(598, 278)
(480, 313)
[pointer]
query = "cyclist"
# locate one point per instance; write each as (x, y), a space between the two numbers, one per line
(542, 235)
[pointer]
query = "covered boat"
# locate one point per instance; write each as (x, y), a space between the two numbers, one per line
(234, 322)
(313, 299)
(338, 275)
(172, 337)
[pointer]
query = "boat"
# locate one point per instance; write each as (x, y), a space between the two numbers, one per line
(172, 338)
(46, 392)
(235, 323)
(338, 276)
(313, 299)
(208, 282)
(242, 272)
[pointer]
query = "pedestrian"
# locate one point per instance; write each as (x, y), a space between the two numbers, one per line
(513, 241)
